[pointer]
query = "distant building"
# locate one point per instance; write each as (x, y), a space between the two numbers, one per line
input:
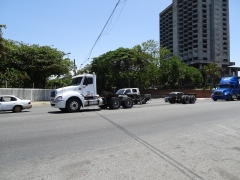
(197, 31)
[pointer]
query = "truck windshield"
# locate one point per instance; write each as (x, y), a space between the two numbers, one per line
(224, 85)
(76, 81)
(120, 91)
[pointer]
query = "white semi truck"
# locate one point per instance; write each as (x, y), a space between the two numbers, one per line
(83, 93)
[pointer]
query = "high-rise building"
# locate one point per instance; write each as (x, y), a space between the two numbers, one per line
(197, 31)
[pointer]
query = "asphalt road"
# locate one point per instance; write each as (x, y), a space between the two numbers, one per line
(153, 141)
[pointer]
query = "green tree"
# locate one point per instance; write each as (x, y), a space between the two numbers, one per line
(212, 72)
(2, 45)
(176, 75)
(117, 69)
(39, 62)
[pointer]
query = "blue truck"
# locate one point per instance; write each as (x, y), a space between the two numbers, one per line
(228, 89)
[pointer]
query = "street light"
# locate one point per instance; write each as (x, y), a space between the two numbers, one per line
(59, 68)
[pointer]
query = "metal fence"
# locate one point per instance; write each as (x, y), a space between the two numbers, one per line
(31, 94)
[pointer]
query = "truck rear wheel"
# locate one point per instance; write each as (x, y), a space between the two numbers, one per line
(73, 105)
(114, 103)
(126, 102)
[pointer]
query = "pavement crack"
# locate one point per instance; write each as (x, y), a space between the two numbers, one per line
(186, 171)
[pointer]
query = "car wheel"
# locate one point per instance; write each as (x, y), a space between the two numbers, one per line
(114, 103)
(127, 103)
(73, 105)
(17, 109)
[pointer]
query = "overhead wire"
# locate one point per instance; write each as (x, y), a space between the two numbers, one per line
(89, 54)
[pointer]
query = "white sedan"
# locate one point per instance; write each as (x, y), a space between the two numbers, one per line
(13, 103)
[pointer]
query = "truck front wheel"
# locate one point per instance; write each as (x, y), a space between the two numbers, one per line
(229, 98)
(73, 105)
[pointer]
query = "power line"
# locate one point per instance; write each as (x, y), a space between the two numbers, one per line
(89, 54)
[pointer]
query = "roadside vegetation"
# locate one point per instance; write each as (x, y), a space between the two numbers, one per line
(144, 66)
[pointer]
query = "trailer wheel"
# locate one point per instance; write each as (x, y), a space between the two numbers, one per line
(183, 99)
(192, 99)
(171, 100)
(127, 103)
(186, 99)
(73, 105)
(114, 103)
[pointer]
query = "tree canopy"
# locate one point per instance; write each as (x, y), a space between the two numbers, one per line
(32, 65)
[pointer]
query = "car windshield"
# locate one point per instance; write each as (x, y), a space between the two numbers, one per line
(76, 81)
(120, 91)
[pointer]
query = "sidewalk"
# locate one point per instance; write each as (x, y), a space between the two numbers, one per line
(40, 103)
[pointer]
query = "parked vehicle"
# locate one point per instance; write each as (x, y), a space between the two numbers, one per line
(180, 97)
(13, 103)
(83, 93)
(227, 89)
(134, 93)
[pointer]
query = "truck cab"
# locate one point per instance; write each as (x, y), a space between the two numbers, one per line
(227, 89)
(82, 92)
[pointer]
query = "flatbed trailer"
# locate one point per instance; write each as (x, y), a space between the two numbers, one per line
(180, 97)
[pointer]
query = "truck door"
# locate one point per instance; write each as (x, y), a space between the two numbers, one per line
(88, 86)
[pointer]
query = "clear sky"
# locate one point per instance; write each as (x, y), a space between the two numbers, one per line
(74, 25)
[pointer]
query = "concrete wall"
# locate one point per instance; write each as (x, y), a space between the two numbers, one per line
(31, 94)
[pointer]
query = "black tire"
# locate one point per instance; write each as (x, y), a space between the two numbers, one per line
(63, 109)
(192, 99)
(183, 99)
(127, 102)
(73, 105)
(187, 99)
(17, 109)
(215, 99)
(171, 100)
(114, 103)
(229, 98)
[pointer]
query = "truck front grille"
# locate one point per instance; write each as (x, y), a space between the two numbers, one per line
(218, 93)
